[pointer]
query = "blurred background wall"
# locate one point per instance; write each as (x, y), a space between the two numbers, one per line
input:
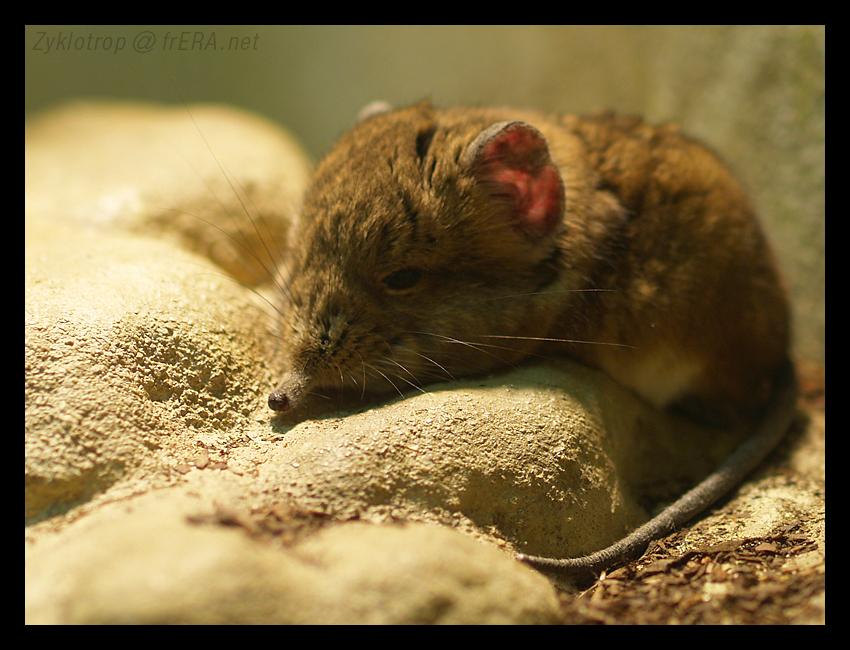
(756, 94)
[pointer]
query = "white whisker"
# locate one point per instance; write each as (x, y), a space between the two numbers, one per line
(544, 293)
(553, 340)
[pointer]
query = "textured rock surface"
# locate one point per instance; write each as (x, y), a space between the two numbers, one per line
(147, 368)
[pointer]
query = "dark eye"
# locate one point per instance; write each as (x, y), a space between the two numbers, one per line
(402, 279)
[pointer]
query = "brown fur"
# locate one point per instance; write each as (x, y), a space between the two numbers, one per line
(406, 267)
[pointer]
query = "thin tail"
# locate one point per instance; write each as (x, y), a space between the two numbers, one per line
(770, 430)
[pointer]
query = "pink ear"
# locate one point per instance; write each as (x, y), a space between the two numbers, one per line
(511, 160)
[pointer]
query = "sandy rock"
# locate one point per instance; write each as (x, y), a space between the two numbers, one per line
(148, 360)
(122, 348)
(152, 566)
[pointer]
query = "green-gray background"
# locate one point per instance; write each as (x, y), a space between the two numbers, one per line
(755, 93)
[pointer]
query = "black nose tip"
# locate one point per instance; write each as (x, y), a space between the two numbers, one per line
(278, 401)
(289, 391)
